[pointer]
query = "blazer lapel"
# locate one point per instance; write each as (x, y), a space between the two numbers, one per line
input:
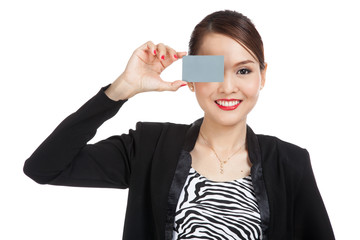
(169, 166)
(180, 176)
(252, 145)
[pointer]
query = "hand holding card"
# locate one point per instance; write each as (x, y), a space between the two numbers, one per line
(142, 73)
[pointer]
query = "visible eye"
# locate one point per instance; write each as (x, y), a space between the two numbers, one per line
(244, 71)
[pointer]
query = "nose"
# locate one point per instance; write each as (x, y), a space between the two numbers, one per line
(229, 85)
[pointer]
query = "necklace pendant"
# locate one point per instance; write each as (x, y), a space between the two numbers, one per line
(222, 167)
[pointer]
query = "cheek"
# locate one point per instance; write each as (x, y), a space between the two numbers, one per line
(203, 93)
(251, 88)
(203, 90)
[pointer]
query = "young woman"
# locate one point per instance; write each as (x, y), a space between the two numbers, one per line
(213, 179)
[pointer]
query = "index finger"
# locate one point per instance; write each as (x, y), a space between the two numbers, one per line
(149, 45)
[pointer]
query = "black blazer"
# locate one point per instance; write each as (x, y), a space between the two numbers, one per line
(153, 161)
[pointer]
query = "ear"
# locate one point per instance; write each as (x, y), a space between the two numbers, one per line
(263, 77)
(191, 86)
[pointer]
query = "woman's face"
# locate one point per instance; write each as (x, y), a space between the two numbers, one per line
(228, 103)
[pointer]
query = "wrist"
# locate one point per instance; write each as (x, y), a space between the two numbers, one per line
(120, 89)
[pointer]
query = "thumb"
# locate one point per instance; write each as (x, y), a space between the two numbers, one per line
(172, 86)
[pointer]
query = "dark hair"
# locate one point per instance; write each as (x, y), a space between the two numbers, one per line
(234, 25)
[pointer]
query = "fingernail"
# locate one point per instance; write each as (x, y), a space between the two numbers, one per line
(183, 85)
(155, 52)
(175, 56)
(163, 57)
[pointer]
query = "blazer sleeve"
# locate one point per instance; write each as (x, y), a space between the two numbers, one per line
(311, 219)
(65, 158)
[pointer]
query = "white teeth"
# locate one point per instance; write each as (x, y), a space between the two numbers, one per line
(228, 103)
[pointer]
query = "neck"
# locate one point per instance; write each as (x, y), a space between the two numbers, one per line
(224, 138)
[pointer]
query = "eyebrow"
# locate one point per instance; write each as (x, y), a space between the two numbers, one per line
(243, 62)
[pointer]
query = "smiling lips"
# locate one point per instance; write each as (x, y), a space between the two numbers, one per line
(228, 104)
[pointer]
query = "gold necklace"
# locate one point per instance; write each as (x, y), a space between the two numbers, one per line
(221, 162)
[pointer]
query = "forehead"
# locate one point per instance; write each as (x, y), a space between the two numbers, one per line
(219, 44)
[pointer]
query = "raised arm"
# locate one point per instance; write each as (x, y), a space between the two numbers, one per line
(65, 158)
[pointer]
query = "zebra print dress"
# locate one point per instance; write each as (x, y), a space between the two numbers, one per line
(217, 210)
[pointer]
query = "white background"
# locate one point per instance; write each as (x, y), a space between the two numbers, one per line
(55, 55)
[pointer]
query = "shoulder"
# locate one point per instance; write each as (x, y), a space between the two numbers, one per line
(277, 152)
(283, 161)
(268, 142)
